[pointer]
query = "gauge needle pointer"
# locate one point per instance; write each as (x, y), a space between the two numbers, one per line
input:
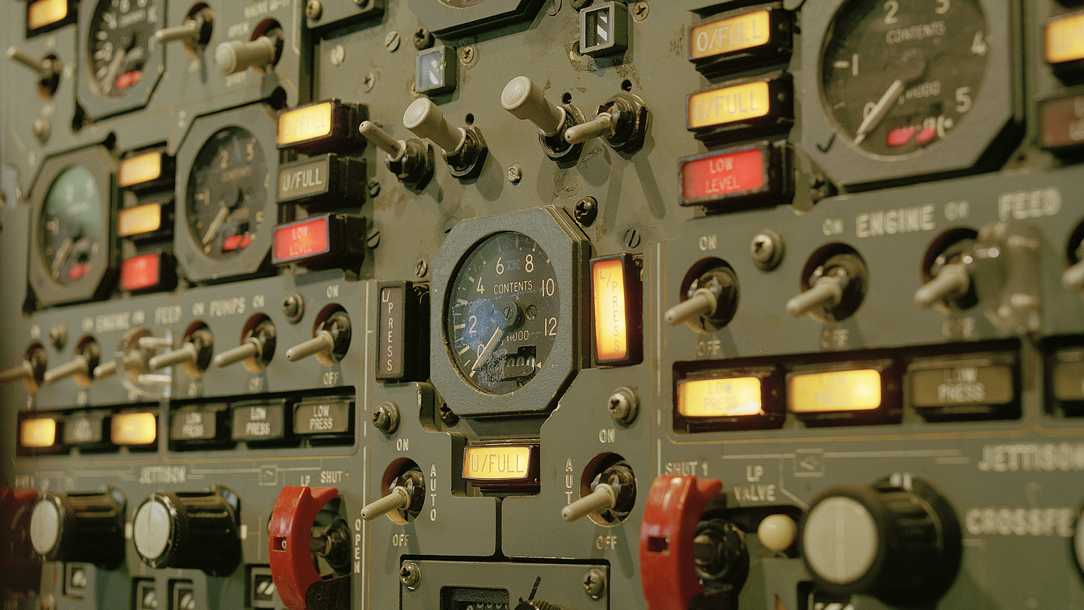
(216, 224)
(62, 254)
(914, 67)
(488, 349)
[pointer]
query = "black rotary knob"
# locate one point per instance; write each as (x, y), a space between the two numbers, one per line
(196, 530)
(898, 540)
(85, 527)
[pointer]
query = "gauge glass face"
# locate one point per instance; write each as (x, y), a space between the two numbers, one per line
(898, 76)
(503, 313)
(226, 193)
(71, 225)
(120, 44)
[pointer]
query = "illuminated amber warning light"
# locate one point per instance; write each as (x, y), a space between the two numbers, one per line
(139, 169)
(834, 391)
(42, 13)
(305, 123)
(617, 294)
(729, 105)
(729, 35)
(134, 429)
(503, 463)
(301, 240)
(146, 218)
(37, 433)
(726, 397)
(1063, 39)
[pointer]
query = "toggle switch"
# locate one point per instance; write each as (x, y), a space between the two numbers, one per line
(197, 530)
(621, 121)
(291, 543)
(526, 101)
(256, 350)
(82, 527)
(1073, 277)
(194, 353)
(410, 160)
(947, 273)
(195, 32)
(614, 489)
(47, 69)
(464, 149)
(833, 289)
(260, 54)
(406, 493)
(711, 300)
(31, 370)
(951, 281)
(329, 344)
(87, 357)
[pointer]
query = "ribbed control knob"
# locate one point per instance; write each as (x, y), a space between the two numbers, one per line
(85, 527)
(898, 540)
(189, 530)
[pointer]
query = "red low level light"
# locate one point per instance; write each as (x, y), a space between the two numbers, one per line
(140, 272)
(724, 175)
(301, 240)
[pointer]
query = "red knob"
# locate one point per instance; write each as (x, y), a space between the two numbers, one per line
(667, 568)
(288, 540)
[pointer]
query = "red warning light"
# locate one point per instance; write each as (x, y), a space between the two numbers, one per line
(139, 272)
(301, 240)
(736, 176)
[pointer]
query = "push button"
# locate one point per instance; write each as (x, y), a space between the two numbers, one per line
(323, 181)
(972, 388)
(198, 425)
(263, 422)
(329, 418)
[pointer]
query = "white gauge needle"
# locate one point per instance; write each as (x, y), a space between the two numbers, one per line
(216, 224)
(62, 255)
(488, 349)
(879, 110)
(110, 79)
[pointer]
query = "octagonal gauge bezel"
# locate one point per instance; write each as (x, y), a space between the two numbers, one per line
(95, 284)
(198, 267)
(997, 107)
(447, 21)
(99, 106)
(569, 251)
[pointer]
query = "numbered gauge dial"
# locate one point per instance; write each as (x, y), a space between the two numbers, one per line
(123, 61)
(908, 88)
(71, 235)
(227, 208)
(503, 313)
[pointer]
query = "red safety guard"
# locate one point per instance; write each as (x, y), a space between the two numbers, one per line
(288, 541)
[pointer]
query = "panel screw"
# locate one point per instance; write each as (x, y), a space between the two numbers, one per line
(624, 404)
(594, 583)
(374, 239)
(586, 211)
(386, 417)
(391, 41)
(420, 268)
(640, 11)
(410, 575)
(374, 188)
(767, 249)
(515, 173)
(632, 238)
(313, 10)
(466, 55)
(447, 416)
(338, 55)
(58, 336)
(423, 39)
(369, 81)
(293, 307)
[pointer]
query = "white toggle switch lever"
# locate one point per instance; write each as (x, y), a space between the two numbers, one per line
(826, 292)
(425, 119)
(1073, 277)
(397, 499)
(526, 101)
(324, 341)
(952, 280)
(383, 140)
(600, 126)
(235, 56)
(702, 303)
(603, 498)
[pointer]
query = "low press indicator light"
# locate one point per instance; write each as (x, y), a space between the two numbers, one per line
(725, 397)
(618, 333)
(501, 463)
(834, 391)
(37, 433)
(321, 126)
(140, 272)
(42, 13)
(729, 35)
(133, 428)
(140, 169)
(141, 219)
(301, 240)
(1063, 39)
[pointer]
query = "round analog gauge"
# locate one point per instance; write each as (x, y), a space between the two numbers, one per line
(899, 76)
(120, 44)
(71, 243)
(908, 88)
(71, 230)
(503, 312)
(227, 189)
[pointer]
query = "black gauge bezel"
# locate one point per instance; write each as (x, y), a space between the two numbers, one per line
(447, 21)
(569, 250)
(96, 104)
(260, 122)
(96, 283)
(997, 106)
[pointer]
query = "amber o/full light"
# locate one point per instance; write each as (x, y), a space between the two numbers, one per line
(729, 35)
(139, 169)
(1063, 39)
(305, 124)
(45, 12)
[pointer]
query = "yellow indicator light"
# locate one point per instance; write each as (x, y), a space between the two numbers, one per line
(730, 397)
(728, 105)
(134, 429)
(834, 391)
(729, 35)
(1063, 39)
(503, 463)
(38, 433)
(141, 219)
(305, 124)
(611, 327)
(45, 12)
(140, 169)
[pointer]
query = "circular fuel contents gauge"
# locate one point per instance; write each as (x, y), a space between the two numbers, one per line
(508, 312)
(907, 88)
(227, 211)
(123, 62)
(71, 237)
